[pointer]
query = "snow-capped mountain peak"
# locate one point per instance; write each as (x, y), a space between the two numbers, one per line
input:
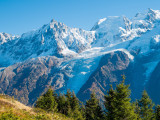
(153, 15)
(55, 38)
(109, 23)
(111, 30)
(81, 60)
(5, 37)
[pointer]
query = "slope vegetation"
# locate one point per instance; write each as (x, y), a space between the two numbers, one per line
(10, 109)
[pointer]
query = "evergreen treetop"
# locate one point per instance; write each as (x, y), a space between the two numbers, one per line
(146, 107)
(93, 109)
(47, 101)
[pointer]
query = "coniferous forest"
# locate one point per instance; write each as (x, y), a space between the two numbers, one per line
(117, 105)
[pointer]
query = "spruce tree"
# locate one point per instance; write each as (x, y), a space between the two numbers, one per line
(83, 110)
(61, 104)
(75, 106)
(146, 107)
(125, 109)
(93, 109)
(110, 104)
(74, 102)
(118, 105)
(69, 95)
(69, 105)
(68, 108)
(55, 95)
(157, 112)
(47, 101)
(137, 110)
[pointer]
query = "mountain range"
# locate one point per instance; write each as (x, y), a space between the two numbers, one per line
(83, 61)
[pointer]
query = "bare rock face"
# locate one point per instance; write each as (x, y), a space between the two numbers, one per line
(28, 80)
(109, 71)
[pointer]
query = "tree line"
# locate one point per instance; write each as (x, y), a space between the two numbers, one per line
(117, 102)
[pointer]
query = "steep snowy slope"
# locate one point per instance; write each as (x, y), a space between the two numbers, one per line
(114, 30)
(54, 39)
(4, 37)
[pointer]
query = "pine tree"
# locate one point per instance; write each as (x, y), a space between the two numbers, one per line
(74, 102)
(118, 105)
(125, 109)
(93, 109)
(68, 104)
(157, 112)
(61, 100)
(83, 110)
(75, 106)
(47, 101)
(110, 104)
(69, 95)
(137, 110)
(55, 95)
(146, 107)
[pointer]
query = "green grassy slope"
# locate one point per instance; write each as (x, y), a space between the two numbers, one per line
(10, 109)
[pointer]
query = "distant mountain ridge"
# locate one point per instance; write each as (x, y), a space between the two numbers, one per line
(71, 58)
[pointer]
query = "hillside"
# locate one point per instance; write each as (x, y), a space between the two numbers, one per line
(11, 109)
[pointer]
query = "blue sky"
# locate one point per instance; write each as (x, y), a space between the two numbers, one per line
(19, 16)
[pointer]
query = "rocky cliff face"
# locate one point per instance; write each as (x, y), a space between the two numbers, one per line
(84, 61)
(109, 71)
(28, 80)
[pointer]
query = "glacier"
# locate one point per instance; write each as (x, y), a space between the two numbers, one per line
(70, 56)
